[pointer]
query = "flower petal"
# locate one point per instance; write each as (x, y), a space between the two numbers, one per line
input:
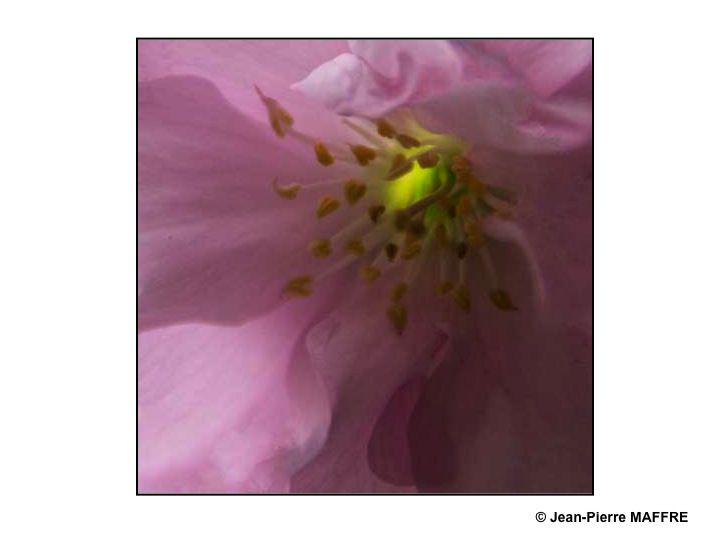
(236, 65)
(226, 409)
(216, 243)
(362, 363)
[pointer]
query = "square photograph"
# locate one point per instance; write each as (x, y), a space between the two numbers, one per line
(364, 266)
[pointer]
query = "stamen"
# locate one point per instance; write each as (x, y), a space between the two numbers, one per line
(280, 119)
(402, 220)
(355, 246)
(354, 191)
(378, 142)
(444, 287)
(374, 212)
(441, 234)
(391, 251)
(416, 229)
(321, 248)
(502, 300)
(407, 141)
(363, 154)
(400, 167)
(427, 160)
(323, 155)
(289, 191)
(326, 206)
(397, 314)
(461, 296)
(434, 197)
(461, 250)
(411, 250)
(398, 292)
(299, 287)
(369, 273)
(385, 129)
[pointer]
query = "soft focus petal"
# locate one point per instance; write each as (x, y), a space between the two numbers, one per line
(544, 65)
(381, 75)
(362, 363)
(508, 410)
(235, 65)
(215, 242)
(226, 409)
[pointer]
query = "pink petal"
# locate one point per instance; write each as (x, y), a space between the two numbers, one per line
(362, 363)
(215, 242)
(235, 65)
(507, 412)
(228, 409)
(381, 75)
(544, 65)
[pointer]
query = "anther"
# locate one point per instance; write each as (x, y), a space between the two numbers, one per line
(502, 300)
(441, 234)
(289, 191)
(400, 166)
(461, 165)
(320, 248)
(385, 129)
(354, 191)
(323, 155)
(397, 314)
(369, 273)
(391, 251)
(461, 250)
(428, 159)
(299, 287)
(355, 246)
(464, 206)
(363, 154)
(397, 293)
(444, 287)
(326, 206)
(279, 118)
(374, 212)
(477, 187)
(461, 296)
(407, 141)
(402, 220)
(411, 251)
(416, 228)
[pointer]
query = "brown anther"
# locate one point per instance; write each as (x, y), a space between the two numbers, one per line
(391, 251)
(411, 251)
(428, 159)
(400, 166)
(354, 191)
(460, 165)
(374, 212)
(355, 246)
(441, 234)
(369, 273)
(398, 292)
(502, 300)
(363, 154)
(407, 141)
(477, 187)
(402, 220)
(279, 118)
(461, 296)
(289, 191)
(472, 232)
(323, 155)
(320, 248)
(299, 287)
(326, 206)
(461, 250)
(464, 206)
(444, 287)
(397, 313)
(416, 228)
(385, 129)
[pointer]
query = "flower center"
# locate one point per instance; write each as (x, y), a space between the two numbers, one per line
(421, 202)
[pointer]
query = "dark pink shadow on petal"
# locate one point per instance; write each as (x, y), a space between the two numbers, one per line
(388, 451)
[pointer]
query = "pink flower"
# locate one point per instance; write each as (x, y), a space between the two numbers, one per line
(434, 242)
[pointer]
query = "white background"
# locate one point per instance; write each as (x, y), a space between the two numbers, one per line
(67, 267)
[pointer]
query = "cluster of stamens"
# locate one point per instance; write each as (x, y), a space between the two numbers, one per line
(419, 198)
